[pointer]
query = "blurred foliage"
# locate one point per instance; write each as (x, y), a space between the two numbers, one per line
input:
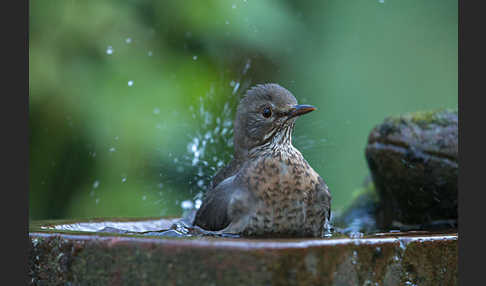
(131, 102)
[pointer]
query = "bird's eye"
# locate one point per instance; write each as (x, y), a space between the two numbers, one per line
(267, 112)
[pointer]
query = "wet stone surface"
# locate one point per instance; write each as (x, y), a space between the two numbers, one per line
(59, 256)
(361, 215)
(413, 160)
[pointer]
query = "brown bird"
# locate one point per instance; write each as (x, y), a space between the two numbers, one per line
(268, 189)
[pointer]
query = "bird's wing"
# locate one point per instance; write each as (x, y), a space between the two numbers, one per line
(228, 171)
(213, 213)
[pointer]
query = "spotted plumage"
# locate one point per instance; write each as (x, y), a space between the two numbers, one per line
(268, 189)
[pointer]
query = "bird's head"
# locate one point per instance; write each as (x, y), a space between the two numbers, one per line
(266, 117)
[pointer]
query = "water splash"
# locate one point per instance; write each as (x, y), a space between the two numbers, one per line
(209, 147)
(203, 156)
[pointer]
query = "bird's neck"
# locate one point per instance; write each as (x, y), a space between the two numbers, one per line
(279, 145)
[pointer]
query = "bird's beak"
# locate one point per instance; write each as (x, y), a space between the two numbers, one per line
(300, 109)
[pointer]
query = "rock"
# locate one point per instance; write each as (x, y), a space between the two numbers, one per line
(414, 165)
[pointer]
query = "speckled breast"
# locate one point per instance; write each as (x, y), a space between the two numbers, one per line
(286, 192)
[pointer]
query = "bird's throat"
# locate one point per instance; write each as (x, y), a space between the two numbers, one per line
(278, 144)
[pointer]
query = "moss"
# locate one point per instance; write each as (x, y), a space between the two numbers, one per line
(441, 117)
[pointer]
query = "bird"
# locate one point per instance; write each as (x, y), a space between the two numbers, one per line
(268, 188)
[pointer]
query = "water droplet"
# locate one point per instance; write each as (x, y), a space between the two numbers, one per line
(381, 1)
(233, 6)
(355, 234)
(355, 255)
(96, 184)
(227, 22)
(116, 138)
(130, 82)
(124, 180)
(187, 205)
(197, 204)
(144, 198)
(403, 244)
(235, 89)
(128, 40)
(97, 201)
(156, 111)
(149, 53)
(109, 50)
(200, 183)
(247, 65)
(112, 149)
(194, 58)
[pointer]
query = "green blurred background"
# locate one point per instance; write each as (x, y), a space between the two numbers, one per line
(131, 102)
